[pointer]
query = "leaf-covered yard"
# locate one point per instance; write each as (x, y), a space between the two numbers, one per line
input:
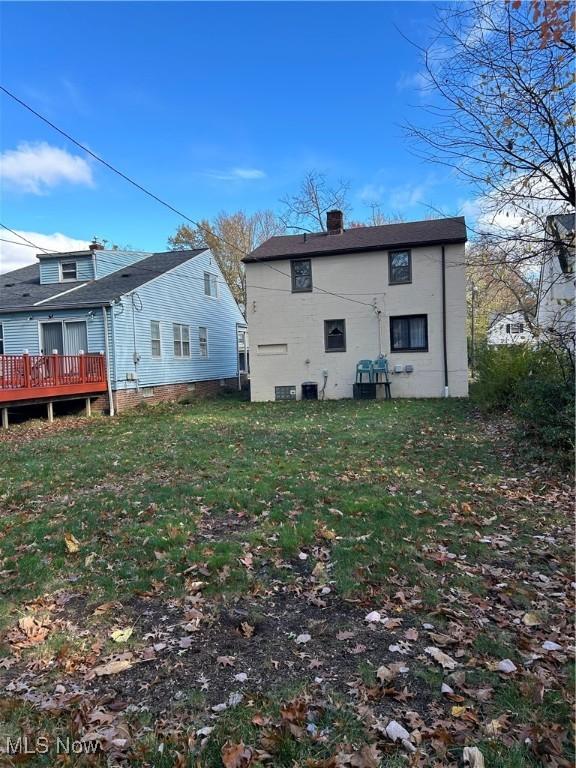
(311, 584)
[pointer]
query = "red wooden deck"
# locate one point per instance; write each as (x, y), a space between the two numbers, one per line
(34, 377)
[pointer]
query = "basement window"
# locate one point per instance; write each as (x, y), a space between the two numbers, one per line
(285, 392)
(147, 391)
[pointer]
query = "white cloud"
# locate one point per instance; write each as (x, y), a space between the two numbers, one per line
(37, 167)
(236, 174)
(14, 256)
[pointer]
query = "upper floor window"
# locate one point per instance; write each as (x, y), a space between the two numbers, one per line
(301, 275)
(335, 335)
(399, 267)
(210, 284)
(514, 327)
(69, 270)
(409, 333)
(155, 341)
(181, 335)
(203, 341)
(1, 339)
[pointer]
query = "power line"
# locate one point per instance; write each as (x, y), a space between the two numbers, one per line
(158, 199)
(28, 242)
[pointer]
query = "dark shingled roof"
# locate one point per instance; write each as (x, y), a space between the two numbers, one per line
(404, 235)
(21, 289)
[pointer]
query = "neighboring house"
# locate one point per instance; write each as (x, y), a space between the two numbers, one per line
(156, 325)
(510, 328)
(555, 317)
(320, 303)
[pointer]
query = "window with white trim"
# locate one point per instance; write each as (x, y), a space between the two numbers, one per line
(203, 341)
(210, 285)
(69, 270)
(1, 339)
(155, 339)
(181, 335)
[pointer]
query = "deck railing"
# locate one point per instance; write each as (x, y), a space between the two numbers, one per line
(26, 377)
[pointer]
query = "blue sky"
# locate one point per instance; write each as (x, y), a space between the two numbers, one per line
(213, 106)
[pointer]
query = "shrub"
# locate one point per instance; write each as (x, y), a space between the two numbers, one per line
(536, 386)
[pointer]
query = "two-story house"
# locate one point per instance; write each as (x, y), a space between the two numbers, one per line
(119, 326)
(320, 303)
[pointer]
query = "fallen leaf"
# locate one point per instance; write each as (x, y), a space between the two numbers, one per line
(384, 674)
(71, 542)
(507, 666)
(304, 638)
(226, 661)
(247, 629)
(345, 635)
(473, 757)
(445, 661)
(373, 616)
(112, 668)
(121, 635)
(531, 619)
(549, 645)
(396, 732)
(458, 711)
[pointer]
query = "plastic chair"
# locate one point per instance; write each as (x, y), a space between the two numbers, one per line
(380, 368)
(363, 367)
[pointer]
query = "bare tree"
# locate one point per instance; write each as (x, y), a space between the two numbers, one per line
(230, 237)
(501, 113)
(306, 210)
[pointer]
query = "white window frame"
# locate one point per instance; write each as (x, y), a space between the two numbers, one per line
(211, 284)
(203, 343)
(153, 339)
(178, 338)
(69, 279)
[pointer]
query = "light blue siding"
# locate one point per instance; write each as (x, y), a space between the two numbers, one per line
(176, 296)
(111, 261)
(50, 269)
(22, 329)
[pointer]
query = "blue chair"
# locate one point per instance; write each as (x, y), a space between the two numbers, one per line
(363, 368)
(380, 368)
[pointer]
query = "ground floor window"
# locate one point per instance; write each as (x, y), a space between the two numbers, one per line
(155, 340)
(1, 339)
(409, 333)
(203, 341)
(335, 335)
(181, 340)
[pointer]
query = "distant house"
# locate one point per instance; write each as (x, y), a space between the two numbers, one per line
(555, 316)
(508, 329)
(318, 304)
(125, 326)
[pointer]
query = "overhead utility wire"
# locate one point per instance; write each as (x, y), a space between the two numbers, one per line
(151, 194)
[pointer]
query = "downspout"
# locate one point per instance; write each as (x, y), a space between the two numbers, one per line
(107, 353)
(444, 345)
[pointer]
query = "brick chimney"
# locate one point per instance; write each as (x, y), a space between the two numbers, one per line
(96, 246)
(335, 222)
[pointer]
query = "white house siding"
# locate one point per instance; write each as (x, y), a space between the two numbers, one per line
(177, 296)
(498, 333)
(556, 305)
(294, 323)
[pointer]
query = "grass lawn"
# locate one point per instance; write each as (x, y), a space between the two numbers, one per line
(189, 586)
